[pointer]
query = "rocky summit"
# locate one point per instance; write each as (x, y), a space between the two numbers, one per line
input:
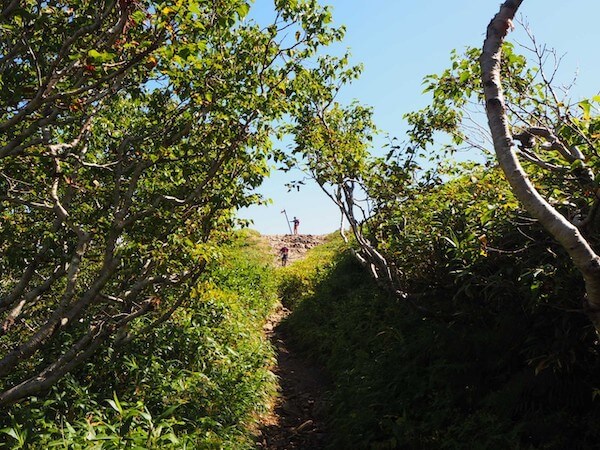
(298, 244)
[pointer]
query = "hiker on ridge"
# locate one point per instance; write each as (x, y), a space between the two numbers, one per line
(296, 223)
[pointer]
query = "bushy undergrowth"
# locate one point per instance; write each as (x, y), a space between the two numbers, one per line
(501, 355)
(299, 280)
(198, 381)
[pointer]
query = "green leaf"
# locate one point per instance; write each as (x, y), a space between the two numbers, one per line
(586, 106)
(578, 163)
(115, 404)
(100, 56)
(168, 412)
(243, 10)
(138, 16)
(11, 432)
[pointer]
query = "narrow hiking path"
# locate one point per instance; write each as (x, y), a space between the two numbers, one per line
(296, 420)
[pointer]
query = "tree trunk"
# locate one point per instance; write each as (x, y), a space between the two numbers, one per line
(583, 256)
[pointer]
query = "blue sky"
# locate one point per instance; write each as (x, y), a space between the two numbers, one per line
(399, 42)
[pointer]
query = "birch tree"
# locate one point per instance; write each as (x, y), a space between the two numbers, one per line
(571, 234)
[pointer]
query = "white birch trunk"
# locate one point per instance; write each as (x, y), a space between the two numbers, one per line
(583, 256)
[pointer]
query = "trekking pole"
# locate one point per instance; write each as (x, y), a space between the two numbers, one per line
(287, 220)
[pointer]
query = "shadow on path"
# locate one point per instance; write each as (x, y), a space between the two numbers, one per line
(297, 418)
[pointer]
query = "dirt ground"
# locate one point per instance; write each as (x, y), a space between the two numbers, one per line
(297, 419)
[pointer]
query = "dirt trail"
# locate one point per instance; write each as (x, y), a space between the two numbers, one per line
(296, 420)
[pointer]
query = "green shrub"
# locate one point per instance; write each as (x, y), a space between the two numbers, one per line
(297, 281)
(500, 355)
(199, 381)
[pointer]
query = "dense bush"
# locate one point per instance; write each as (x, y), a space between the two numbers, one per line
(198, 381)
(499, 355)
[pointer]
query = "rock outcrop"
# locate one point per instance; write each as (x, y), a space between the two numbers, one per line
(298, 244)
